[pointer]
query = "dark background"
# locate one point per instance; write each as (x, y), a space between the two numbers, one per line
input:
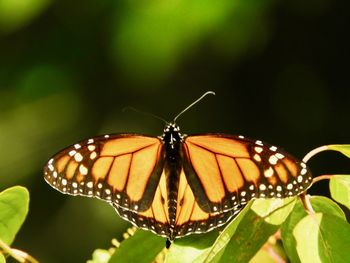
(67, 69)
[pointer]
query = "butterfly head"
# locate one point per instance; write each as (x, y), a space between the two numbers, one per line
(171, 134)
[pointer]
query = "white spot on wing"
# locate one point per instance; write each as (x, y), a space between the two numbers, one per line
(77, 146)
(83, 170)
(258, 149)
(262, 187)
(51, 168)
(273, 160)
(273, 148)
(78, 157)
(279, 155)
(256, 157)
(93, 155)
(300, 179)
(259, 143)
(268, 173)
(72, 152)
(91, 148)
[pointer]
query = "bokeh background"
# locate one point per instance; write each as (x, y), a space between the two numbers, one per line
(280, 70)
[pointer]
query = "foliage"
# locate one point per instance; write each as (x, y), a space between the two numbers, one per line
(14, 204)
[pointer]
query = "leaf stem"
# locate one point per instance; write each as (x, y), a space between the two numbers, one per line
(305, 199)
(314, 152)
(19, 255)
(321, 177)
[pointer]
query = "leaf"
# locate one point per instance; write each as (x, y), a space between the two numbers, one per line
(269, 255)
(2, 258)
(342, 148)
(198, 248)
(216, 251)
(257, 225)
(142, 247)
(322, 238)
(14, 203)
(100, 256)
(339, 186)
(191, 248)
(319, 204)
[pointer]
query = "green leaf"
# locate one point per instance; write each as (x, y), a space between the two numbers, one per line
(322, 238)
(201, 248)
(218, 248)
(191, 248)
(342, 148)
(269, 255)
(319, 204)
(2, 258)
(340, 189)
(14, 203)
(258, 224)
(100, 256)
(142, 247)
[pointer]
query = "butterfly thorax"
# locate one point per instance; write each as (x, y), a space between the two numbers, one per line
(172, 139)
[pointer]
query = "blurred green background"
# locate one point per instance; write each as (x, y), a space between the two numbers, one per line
(68, 68)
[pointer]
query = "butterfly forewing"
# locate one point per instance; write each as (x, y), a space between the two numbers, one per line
(123, 169)
(225, 171)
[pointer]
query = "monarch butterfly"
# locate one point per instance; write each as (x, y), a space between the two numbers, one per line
(175, 185)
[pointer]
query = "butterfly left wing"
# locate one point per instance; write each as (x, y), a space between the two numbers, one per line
(124, 169)
(225, 171)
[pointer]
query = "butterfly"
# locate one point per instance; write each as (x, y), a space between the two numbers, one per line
(175, 185)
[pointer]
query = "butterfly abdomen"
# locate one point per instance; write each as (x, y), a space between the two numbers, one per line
(173, 165)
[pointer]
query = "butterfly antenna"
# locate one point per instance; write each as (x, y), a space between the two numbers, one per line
(193, 103)
(144, 113)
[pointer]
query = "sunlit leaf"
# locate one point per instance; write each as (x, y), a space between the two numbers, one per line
(191, 248)
(257, 225)
(339, 186)
(142, 247)
(14, 203)
(319, 204)
(342, 148)
(100, 256)
(268, 255)
(322, 238)
(2, 258)
(218, 248)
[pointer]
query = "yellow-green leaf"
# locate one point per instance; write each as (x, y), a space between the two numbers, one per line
(340, 189)
(342, 148)
(100, 256)
(142, 247)
(322, 238)
(319, 204)
(14, 203)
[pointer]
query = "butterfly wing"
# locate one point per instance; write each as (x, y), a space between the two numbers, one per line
(225, 171)
(123, 169)
(190, 218)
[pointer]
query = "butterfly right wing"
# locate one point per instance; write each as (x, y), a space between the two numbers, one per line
(122, 169)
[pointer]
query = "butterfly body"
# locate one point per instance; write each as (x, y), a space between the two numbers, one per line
(175, 185)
